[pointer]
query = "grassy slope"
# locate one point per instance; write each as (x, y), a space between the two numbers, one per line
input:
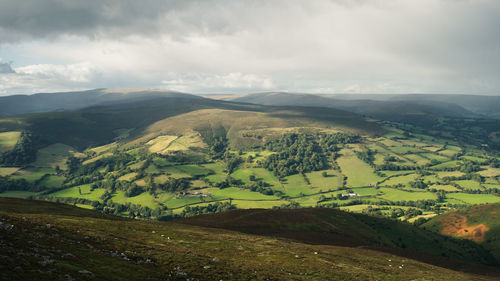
(113, 248)
(334, 227)
(487, 215)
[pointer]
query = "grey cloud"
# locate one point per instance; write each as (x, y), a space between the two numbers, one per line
(6, 68)
(112, 18)
(324, 45)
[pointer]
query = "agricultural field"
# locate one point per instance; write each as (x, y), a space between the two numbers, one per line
(184, 171)
(358, 172)
(8, 140)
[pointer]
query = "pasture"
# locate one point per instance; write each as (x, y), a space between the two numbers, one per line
(82, 191)
(392, 194)
(357, 171)
(8, 140)
(474, 198)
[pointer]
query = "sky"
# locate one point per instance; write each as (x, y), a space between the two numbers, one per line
(241, 46)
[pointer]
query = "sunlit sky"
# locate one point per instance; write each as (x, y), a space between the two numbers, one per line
(209, 46)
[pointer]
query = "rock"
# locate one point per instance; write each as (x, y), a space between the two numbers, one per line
(86, 272)
(67, 255)
(46, 261)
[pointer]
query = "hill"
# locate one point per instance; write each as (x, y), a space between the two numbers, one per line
(478, 104)
(50, 241)
(478, 223)
(326, 226)
(387, 109)
(170, 157)
(67, 101)
(102, 124)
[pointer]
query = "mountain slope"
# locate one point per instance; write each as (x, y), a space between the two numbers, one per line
(102, 124)
(334, 227)
(65, 101)
(479, 223)
(394, 110)
(50, 241)
(482, 105)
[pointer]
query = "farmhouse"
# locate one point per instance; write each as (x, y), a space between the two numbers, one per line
(191, 194)
(350, 195)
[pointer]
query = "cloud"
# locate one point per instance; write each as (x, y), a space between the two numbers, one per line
(446, 46)
(5, 67)
(47, 78)
(212, 83)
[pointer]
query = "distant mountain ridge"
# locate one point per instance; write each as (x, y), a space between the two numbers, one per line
(395, 110)
(65, 101)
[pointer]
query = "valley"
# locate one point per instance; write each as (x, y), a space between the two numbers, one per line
(215, 155)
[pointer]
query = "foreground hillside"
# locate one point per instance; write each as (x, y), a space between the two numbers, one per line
(48, 241)
(478, 223)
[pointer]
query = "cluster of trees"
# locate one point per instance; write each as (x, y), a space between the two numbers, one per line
(295, 154)
(216, 207)
(258, 185)
(330, 142)
(7, 184)
(115, 162)
(174, 185)
(418, 183)
(216, 139)
(367, 156)
(24, 151)
(469, 167)
(394, 167)
(408, 213)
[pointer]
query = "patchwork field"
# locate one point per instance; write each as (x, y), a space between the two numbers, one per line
(8, 140)
(175, 169)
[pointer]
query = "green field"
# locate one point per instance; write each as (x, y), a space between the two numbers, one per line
(17, 194)
(469, 184)
(474, 198)
(392, 194)
(143, 199)
(8, 140)
(332, 181)
(237, 193)
(6, 171)
(52, 181)
(295, 185)
(32, 174)
(74, 192)
(358, 172)
(260, 174)
(54, 155)
(444, 187)
(449, 164)
(399, 180)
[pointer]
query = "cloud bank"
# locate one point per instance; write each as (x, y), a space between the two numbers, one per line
(323, 46)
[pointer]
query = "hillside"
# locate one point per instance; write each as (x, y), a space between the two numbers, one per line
(102, 124)
(478, 223)
(49, 241)
(171, 157)
(67, 101)
(388, 109)
(478, 104)
(333, 227)
(449, 116)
